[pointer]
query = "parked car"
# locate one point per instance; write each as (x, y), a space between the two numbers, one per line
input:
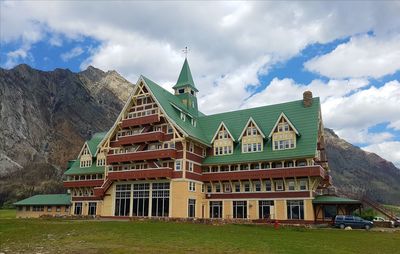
(397, 222)
(343, 221)
(381, 219)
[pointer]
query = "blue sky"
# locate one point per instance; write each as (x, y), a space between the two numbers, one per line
(242, 54)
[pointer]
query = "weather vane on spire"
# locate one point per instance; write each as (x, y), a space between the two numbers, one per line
(185, 51)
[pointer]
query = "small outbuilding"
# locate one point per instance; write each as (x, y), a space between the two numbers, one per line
(39, 205)
(326, 207)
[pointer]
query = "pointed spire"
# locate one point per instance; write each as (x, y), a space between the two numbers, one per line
(185, 77)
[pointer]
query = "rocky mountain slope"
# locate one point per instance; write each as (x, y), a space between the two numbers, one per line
(357, 171)
(46, 116)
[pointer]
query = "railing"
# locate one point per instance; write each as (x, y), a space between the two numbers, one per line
(141, 174)
(142, 155)
(139, 138)
(83, 183)
(265, 173)
(140, 120)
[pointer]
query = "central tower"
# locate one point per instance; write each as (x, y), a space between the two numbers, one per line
(185, 88)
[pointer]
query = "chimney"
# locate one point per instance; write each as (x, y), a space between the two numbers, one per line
(307, 99)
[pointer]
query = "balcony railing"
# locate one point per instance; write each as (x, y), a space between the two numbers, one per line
(142, 155)
(140, 120)
(139, 138)
(152, 173)
(305, 171)
(83, 183)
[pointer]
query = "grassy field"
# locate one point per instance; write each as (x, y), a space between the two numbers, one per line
(77, 236)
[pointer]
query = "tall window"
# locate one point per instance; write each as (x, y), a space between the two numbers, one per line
(191, 166)
(122, 200)
(295, 209)
(291, 185)
(240, 209)
(191, 147)
(92, 208)
(265, 209)
(78, 208)
(141, 192)
(178, 165)
(160, 200)
(215, 209)
(279, 185)
(268, 185)
(192, 186)
(303, 184)
(192, 208)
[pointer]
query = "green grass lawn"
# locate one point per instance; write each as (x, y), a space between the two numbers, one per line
(77, 236)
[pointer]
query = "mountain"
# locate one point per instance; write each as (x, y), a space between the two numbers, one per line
(46, 116)
(355, 171)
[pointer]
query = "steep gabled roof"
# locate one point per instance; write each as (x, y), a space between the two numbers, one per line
(305, 120)
(169, 102)
(50, 199)
(287, 120)
(75, 169)
(185, 77)
(218, 129)
(95, 141)
(251, 120)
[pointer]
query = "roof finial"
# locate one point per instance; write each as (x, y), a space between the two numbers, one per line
(185, 51)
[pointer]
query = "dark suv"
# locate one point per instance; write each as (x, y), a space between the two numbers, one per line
(343, 221)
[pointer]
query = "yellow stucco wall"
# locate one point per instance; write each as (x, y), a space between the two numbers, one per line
(280, 208)
(179, 198)
(32, 214)
(308, 210)
(253, 209)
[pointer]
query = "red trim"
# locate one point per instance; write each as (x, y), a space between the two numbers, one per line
(140, 120)
(266, 174)
(142, 155)
(85, 183)
(194, 157)
(139, 138)
(193, 176)
(177, 174)
(283, 194)
(141, 174)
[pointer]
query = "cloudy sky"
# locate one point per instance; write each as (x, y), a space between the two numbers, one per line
(242, 54)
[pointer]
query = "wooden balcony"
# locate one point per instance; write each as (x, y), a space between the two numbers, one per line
(142, 174)
(140, 120)
(142, 155)
(83, 183)
(139, 138)
(316, 171)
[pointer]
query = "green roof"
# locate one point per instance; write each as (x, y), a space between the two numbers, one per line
(50, 199)
(305, 119)
(326, 199)
(185, 77)
(95, 141)
(75, 169)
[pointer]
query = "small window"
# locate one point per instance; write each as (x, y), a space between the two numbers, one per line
(227, 187)
(209, 188)
(192, 186)
(169, 129)
(58, 208)
(303, 185)
(217, 187)
(279, 185)
(191, 147)
(237, 187)
(181, 91)
(191, 166)
(183, 116)
(268, 185)
(247, 187)
(291, 185)
(178, 166)
(258, 186)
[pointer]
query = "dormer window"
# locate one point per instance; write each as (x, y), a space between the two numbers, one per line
(181, 91)
(183, 116)
(223, 141)
(252, 137)
(283, 134)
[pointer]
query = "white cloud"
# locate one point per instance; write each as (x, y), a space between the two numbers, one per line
(395, 125)
(362, 56)
(77, 51)
(15, 57)
(387, 150)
